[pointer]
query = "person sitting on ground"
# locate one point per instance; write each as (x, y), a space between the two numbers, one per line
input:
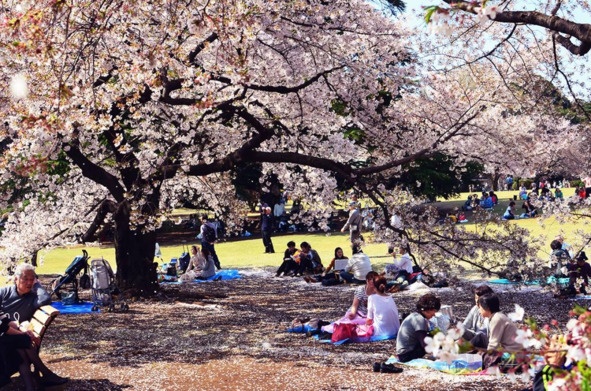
(410, 342)
(486, 202)
(494, 198)
(289, 265)
(559, 259)
(475, 201)
(468, 204)
(382, 312)
(202, 265)
(462, 217)
(580, 270)
(475, 326)
(357, 313)
(501, 330)
(400, 270)
(452, 218)
(357, 267)
(510, 212)
(565, 246)
(331, 275)
(309, 260)
(528, 208)
(555, 357)
(338, 254)
(25, 296)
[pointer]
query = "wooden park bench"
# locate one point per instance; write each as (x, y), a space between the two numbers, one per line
(41, 320)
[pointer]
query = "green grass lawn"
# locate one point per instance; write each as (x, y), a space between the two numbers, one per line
(240, 253)
(250, 252)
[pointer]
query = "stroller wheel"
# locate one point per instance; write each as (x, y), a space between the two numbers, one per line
(94, 308)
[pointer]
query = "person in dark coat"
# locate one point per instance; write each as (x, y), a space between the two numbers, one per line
(267, 229)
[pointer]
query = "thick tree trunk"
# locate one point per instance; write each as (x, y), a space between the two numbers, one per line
(134, 252)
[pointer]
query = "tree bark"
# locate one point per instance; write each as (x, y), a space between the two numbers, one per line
(134, 253)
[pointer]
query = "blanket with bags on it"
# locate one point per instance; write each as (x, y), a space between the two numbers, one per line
(463, 364)
(344, 330)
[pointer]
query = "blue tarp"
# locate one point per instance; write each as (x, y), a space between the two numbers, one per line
(84, 307)
(550, 280)
(223, 275)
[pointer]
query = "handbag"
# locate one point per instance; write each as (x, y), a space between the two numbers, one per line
(344, 331)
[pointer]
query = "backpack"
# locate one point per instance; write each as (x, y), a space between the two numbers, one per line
(208, 233)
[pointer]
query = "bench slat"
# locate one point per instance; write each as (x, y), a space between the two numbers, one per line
(38, 327)
(42, 317)
(49, 310)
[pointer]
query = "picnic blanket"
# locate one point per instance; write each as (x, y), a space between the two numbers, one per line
(466, 364)
(581, 297)
(84, 307)
(304, 328)
(374, 338)
(223, 275)
(550, 280)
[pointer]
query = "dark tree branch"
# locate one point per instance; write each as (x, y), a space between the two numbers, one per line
(581, 31)
(104, 208)
(94, 172)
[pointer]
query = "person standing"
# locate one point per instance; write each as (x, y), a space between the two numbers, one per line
(267, 229)
(208, 236)
(353, 224)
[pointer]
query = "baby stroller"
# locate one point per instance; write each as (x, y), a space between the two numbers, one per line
(102, 282)
(79, 264)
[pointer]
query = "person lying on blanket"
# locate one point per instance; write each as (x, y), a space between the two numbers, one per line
(476, 326)
(410, 342)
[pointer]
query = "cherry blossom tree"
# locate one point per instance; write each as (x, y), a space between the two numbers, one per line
(118, 110)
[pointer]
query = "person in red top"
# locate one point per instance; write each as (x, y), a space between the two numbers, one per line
(579, 270)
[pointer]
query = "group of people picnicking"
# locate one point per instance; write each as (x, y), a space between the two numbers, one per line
(373, 315)
(202, 262)
(19, 345)
(486, 328)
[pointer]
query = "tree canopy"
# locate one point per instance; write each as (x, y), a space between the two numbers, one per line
(119, 111)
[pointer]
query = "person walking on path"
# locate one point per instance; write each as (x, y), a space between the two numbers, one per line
(208, 236)
(353, 224)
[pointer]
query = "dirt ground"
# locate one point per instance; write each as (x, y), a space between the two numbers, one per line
(229, 335)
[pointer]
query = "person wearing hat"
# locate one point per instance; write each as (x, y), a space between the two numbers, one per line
(353, 223)
(578, 270)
